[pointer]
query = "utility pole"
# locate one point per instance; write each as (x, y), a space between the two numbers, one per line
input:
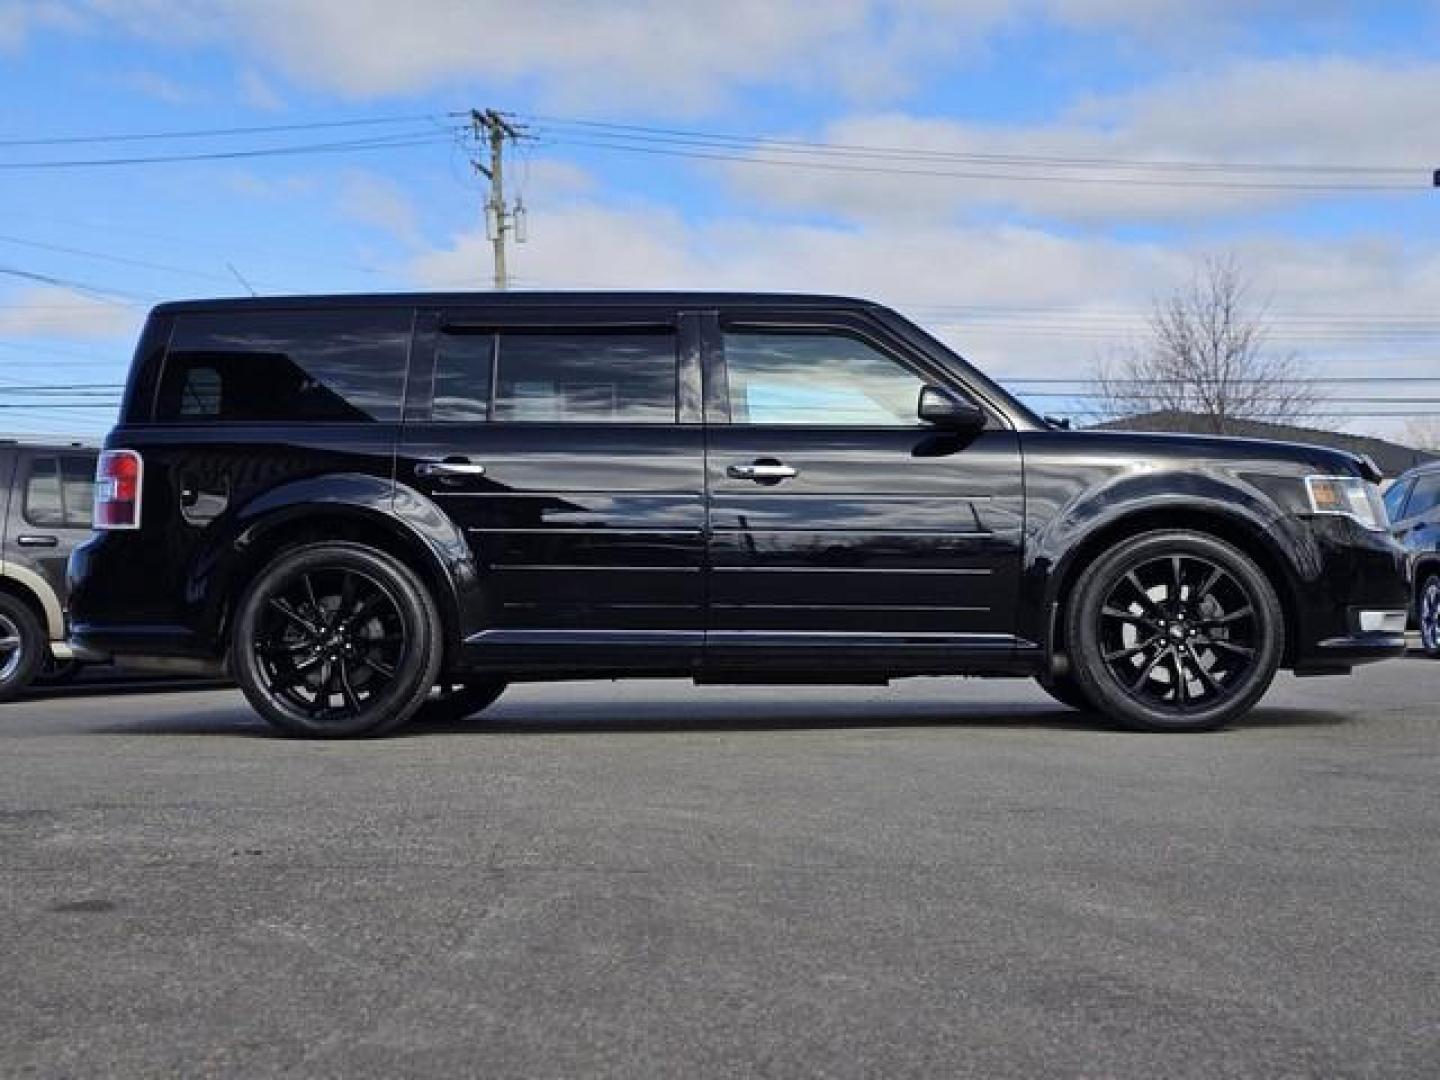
(492, 129)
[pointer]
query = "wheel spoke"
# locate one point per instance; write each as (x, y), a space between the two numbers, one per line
(1208, 679)
(294, 616)
(1138, 647)
(1210, 582)
(1179, 575)
(346, 690)
(347, 599)
(1126, 616)
(1229, 646)
(1150, 665)
(379, 666)
(1229, 616)
(1144, 596)
(1182, 690)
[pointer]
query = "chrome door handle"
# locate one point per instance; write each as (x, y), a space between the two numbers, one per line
(449, 469)
(38, 541)
(760, 472)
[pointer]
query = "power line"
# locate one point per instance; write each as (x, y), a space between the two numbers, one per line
(955, 174)
(693, 137)
(379, 143)
(207, 133)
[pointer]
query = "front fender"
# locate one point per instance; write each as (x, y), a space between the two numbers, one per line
(1089, 519)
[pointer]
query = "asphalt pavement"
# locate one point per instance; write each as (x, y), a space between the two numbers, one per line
(942, 878)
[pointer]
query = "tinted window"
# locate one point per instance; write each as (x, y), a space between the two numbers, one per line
(59, 491)
(817, 378)
(464, 365)
(1395, 499)
(285, 366)
(1424, 496)
(591, 377)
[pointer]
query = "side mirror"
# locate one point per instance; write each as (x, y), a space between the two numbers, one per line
(946, 409)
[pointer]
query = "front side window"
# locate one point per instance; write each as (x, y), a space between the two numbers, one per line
(59, 491)
(285, 366)
(585, 377)
(464, 365)
(817, 378)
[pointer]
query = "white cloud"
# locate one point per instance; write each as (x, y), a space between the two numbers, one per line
(668, 56)
(256, 91)
(160, 88)
(1291, 113)
(55, 312)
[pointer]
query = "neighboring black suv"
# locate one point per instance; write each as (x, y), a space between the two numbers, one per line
(352, 501)
(1413, 502)
(45, 502)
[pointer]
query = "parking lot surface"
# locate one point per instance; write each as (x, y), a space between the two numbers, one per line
(649, 879)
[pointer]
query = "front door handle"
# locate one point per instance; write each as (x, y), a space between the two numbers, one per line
(450, 469)
(762, 472)
(32, 540)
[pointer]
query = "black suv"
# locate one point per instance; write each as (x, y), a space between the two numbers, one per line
(1413, 502)
(45, 501)
(358, 503)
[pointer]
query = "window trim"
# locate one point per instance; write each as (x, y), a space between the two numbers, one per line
(802, 325)
(161, 369)
(431, 324)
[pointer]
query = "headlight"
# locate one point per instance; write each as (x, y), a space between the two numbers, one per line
(1348, 496)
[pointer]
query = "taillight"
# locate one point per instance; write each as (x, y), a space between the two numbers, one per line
(118, 480)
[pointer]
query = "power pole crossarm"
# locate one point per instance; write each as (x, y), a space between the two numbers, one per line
(492, 129)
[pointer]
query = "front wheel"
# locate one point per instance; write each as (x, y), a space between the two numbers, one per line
(1175, 631)
(1428, 609)
(336, 640)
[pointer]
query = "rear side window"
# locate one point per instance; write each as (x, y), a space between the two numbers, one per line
(285, 366)
(576, 376)
(60, 491)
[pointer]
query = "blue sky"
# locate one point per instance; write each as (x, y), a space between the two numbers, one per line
(1033, 270)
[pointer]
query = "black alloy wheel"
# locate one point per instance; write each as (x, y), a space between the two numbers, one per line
(1175, 631)
(1428, 613)
(336, 640)
(22, 646)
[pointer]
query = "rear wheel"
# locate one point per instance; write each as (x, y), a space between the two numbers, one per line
(1428, 609)
(1175, 631)
(22, 646)
(336, 640)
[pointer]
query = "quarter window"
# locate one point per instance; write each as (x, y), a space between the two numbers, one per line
(590, 377)
(1395, 499)
(283, 366)
(817, 378)
(59, 491)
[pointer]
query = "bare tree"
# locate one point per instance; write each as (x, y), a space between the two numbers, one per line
(1207, 356)
(1422, 432)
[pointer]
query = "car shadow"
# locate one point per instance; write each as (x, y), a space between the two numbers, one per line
(678, 717)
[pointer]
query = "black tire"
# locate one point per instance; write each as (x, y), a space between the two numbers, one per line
(23, 646)
(1174, 631)
(336, 620)
(1427, 615)
(456, 699)
(1065, 690)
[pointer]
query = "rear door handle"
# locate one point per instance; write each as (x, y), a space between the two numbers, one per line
(37, 541)
(449, 470)
(762, 472)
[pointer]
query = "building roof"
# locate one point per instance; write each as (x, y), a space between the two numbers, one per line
(1391, 458)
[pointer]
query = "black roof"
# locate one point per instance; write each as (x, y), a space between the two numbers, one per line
(520, 298)
(1391, 458)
